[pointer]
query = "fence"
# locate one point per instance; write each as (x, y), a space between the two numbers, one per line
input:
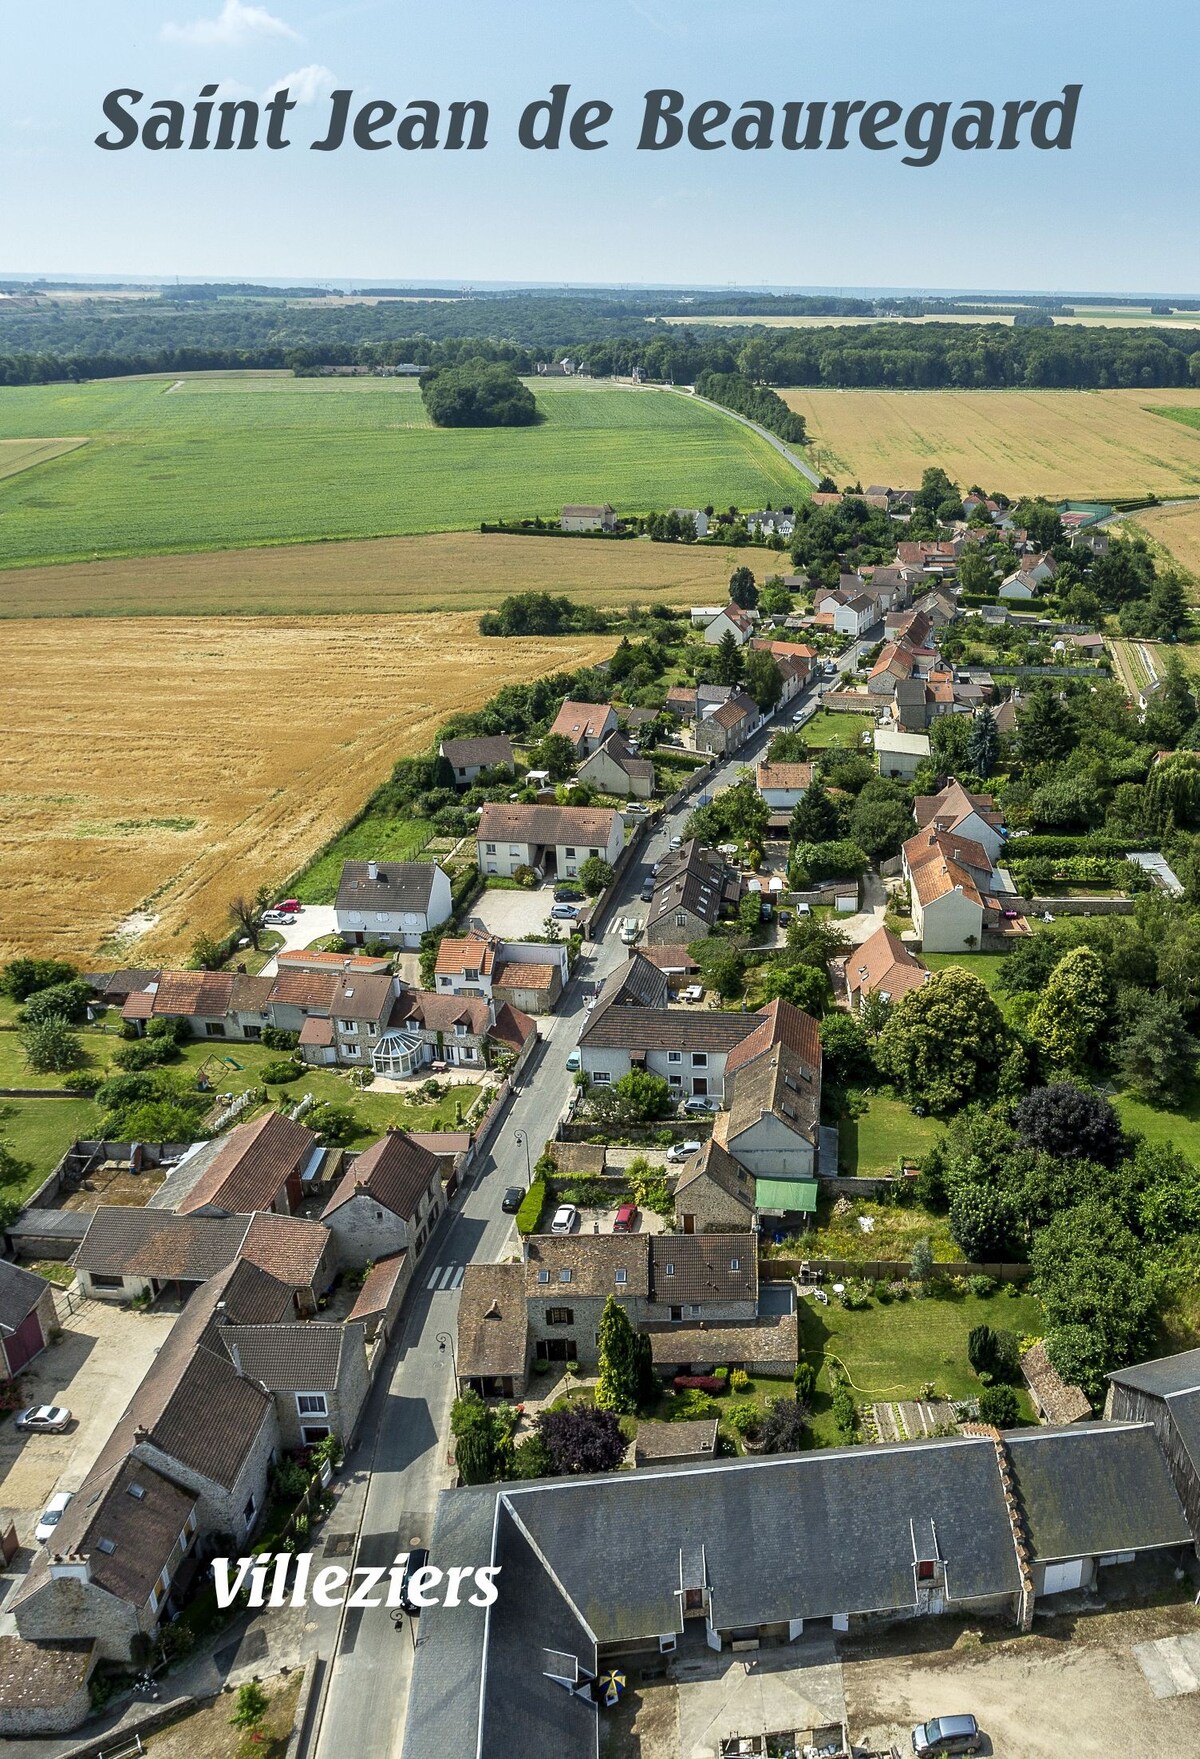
(1094, 906)
(783, 1270)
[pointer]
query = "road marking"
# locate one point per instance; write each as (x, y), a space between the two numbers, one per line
(446, 1276)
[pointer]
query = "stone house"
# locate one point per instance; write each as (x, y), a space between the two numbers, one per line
(690, 889)
(388, 1201)
(580, 518)
(1166, 1394)
(714, 1193)
(317, 1373)
(259, 1165)
(632, 1027)
(773, 1095)
(128, 1253)
(729, 725)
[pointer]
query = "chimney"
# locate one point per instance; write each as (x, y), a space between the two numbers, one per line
(69, 1567)
(372, 870)
(235, 1356)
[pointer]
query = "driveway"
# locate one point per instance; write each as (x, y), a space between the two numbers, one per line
(861, 926)
(314, 922)
(94, 1369)
(514, 915)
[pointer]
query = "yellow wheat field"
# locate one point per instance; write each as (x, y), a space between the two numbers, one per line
(152, 768)
(464, 569)
(1078, 444)
(1177, 529)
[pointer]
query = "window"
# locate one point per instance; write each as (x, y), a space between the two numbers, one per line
(489, 848)
(674, 1056)
(248, 1512)
(668, 1269)
(373, 1031)
(153, 1602)
(924, 1572)
(445, 982)
(681, 919)
(699, 1059)
(600, 1077)
(252, 1033)
(675, 1080)
(107, 1546)
(107, 1282)
(594, 852)
(735, 1264)
(564, 1276)
(543, 1276)
(312, 1405)
(164, 1581)
(350, 1026)
(351, 1050)
(214, 1028)
(471, 975)
(622, 1276)
(560, 1316)
(570, 854)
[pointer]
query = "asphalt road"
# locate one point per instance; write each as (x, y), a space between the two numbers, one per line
(404, 1437)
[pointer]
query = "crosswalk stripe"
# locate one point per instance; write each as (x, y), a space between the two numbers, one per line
(458, 1277)
(448, 1278)
(433, 1281)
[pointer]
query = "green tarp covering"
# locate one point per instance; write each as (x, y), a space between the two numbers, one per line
(786, 1194)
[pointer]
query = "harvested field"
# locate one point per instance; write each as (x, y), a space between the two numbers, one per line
(1177, 529)
(1077, 444)
(162, 765)
(19, 455)
(463, 568)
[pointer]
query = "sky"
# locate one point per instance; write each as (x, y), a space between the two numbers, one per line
(1115, 213)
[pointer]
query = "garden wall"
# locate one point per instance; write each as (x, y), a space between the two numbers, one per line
(1094, 906)
(783, 1270)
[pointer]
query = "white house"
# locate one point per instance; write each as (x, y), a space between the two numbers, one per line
(899, 754)
(698, 517)
(782, 784)
(615, 767)
(579, 518)
(731, 621)
(854, 614)
(467, 757)
(947, 877)
(556, 839)
(393, 902)
(1019, 586)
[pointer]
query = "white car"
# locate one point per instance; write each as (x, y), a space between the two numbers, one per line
(52, 1514)
(683, 1150)
(677, 842)
(565, 1217)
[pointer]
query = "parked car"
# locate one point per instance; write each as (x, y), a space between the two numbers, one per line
(52, 1514)
(575, 1060)
(647, 891)
(292, 904)
(567, 893)
(797, 718)
(634, 811)
(277, 918)
(565, 1217)
(700, 1102)
(513, 1198)
(417, 1560)
(625, 1218)
(44, 1419)
(677, 842)
(565, 912)
(631, 928)
(683, 1151)
(946, 1734)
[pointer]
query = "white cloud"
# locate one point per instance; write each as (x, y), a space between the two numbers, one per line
(236, 24)
(305, 86)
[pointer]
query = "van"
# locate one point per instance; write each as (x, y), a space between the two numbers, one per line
(946, 1734)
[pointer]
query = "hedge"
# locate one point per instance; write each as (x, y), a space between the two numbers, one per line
(704, 1383)
(532, 1205)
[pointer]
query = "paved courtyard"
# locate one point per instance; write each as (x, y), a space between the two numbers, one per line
(514, 915)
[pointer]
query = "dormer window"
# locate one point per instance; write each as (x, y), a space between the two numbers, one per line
(669, 1270)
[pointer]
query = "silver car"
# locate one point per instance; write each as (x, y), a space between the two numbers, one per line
(44, 1419)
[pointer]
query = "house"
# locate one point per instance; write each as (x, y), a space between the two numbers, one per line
(912, 705)
(214, 1004)
(579, 518)
(1019, 586)
(854, 614)
(773, 1095)
(467, 967)
(698, 517)
(332, 964)
(895, 662)
(347, 1024)
(616, 767)
(553, 839)
(129, 1254)
(468, 757)
(881, 966)
(387, 1202)
(317, 1373)
(729, 725)
(689, 890)
(27, 1317)
(1054, 1399)
(754, 1550)
(714, 1193)
(771, 524)
(493, 1330)
(947, 886)
(900, 754)
(45, 1688)
(392, 902)
(532, 984)
(973, 816)
(782, 784)
(911, 627)
(1039, 567)
(681, 702)
(675, 963)
(632, 1027)
(586, 724)
(701, 616)
(528, 975)
(939, 606)
(427, 1027)
(260, 1165)
(731, 621)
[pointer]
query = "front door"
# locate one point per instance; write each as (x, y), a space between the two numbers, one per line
(689, 1224)
(700, 1086)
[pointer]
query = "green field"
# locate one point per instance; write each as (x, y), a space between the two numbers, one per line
(1189, 417)
(829, 728)
(887, 1133)
(228, 462)
(39, 1132)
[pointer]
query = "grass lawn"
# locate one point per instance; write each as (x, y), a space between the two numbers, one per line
(890, 1352)
(239, 461)
(375, 837)
(887, 1133)
(39, 1132)
(1179, 1127)
(827, 729)
(895, 1233)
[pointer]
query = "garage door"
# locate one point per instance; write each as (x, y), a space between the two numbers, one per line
(1060, 1577)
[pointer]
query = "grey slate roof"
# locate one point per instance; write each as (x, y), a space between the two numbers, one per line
(638, 984)
(158, 1243)
(1093, 1488)
(20, 1292)
(302, 1357)
(400, 885)
(645, 1029)
(1164, 1375)
(490, 751)
(694, 1268)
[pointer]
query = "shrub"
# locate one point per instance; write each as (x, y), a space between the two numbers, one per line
(61, 1001)
(532, 1205)
(280, 1073)
(739, 1380)
(50, 1047)
(998, 1405)
(845, 1413)
(804, 1379)
(983, 1286)
(525, 877)
(144, 1053)
(705, 1383)
(692, 1405)
(744, 1418)
(276, 1040)
(25, 976)
(83, 1081)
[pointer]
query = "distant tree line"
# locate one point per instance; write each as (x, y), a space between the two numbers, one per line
(755, 402)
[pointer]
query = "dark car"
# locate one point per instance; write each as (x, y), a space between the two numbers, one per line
(647, 891)
(567, 894)
(513, 1198)
(417, 1560)
(946, 1734)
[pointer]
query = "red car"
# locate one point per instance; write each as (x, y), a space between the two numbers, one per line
(626, 1216)
(292, 904)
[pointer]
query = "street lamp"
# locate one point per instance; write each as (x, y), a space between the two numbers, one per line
(446, 1342)
(520, 1136)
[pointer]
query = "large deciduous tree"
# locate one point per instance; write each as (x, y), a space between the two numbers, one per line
(945, 1043)
(1072, 1014)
